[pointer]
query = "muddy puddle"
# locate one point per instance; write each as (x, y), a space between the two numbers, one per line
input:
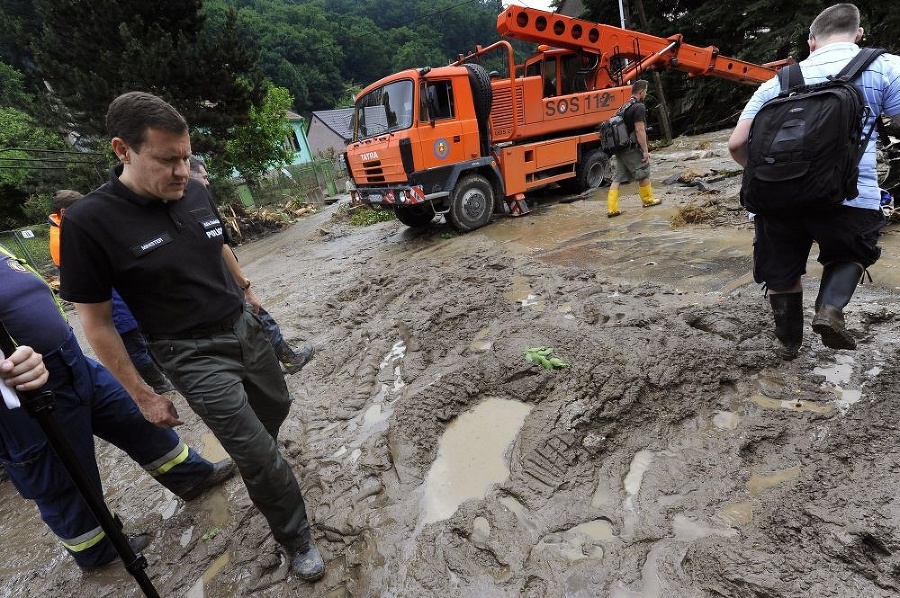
(674, 456)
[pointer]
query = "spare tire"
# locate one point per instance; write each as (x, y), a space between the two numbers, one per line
(482, 94)
(483, 98)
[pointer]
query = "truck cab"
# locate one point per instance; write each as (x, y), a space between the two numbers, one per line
(414, 134)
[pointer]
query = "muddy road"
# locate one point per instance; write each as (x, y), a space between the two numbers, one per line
(676, 456)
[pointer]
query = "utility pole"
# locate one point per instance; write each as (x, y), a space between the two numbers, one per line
(657, 81)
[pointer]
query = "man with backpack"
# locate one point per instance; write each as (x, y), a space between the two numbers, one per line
(633, 161)
(792, 204)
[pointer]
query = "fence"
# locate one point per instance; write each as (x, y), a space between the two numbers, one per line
(33, 244)
(311, 182)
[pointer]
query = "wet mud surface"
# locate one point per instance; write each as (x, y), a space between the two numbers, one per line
(675, 456)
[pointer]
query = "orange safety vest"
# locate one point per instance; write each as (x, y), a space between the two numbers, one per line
(55, 222)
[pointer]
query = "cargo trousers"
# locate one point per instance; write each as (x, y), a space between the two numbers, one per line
(232, 380)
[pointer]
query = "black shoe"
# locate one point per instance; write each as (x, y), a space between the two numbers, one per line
(307, 563)
(293, 361)
(137, 542)
(222, 470)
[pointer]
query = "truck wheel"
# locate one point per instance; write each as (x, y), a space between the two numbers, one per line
(471, 203)
(482, 93)
(414, 216)
(593, 170)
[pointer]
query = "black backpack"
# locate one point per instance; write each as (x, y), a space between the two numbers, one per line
(614, 135)
(805, 144)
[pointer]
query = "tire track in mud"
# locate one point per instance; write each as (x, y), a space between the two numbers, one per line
(457, 377)
(648, 371)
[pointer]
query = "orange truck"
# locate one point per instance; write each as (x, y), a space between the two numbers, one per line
(458, 141)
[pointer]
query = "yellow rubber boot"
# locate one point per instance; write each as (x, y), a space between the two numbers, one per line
(647, 196)
(612, 203)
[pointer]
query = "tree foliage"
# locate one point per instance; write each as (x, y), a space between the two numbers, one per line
(90, 52)
(258, 145)
(317, 49)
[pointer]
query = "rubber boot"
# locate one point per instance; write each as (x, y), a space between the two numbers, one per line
(839, 280)
(787, 308)
(646, 192)
(612, 203)
(155, 378)
(293, 361)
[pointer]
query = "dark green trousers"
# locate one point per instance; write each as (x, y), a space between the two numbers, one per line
(233, 381)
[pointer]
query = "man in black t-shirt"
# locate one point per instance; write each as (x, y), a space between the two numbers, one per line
(633, 163)
(152, 233)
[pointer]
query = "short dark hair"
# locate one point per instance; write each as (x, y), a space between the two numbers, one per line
(838, 19)
(196, 163)
(64, 198)
(639, 86)
(131, 114)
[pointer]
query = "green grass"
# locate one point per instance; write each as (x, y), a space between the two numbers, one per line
(367, 216)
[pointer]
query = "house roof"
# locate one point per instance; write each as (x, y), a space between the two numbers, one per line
(340, 121)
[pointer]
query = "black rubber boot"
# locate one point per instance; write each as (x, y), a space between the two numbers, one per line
(787, 308)
(839, 281)
(155, 378)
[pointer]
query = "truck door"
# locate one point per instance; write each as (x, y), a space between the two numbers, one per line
(444, 135)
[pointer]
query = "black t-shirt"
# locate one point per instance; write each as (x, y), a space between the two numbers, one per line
(637, 112)
(164, 258)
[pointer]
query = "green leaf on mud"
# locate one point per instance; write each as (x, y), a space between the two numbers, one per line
(541, 357)
(210, 534)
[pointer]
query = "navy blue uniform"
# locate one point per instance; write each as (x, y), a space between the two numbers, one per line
(89, 401)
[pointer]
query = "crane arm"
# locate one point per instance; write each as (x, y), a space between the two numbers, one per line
(640, 51)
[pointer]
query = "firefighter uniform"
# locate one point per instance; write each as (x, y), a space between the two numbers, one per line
(89, 401)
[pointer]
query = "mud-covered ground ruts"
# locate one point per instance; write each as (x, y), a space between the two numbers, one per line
(675, 457)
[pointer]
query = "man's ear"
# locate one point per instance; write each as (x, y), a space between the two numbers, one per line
(859, 35)
(120, 148)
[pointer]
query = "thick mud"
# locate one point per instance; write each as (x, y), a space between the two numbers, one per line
(675, 456)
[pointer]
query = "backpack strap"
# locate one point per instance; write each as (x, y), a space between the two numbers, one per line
(859, 63)
(850, 73)
(624, 107)
(790, 77)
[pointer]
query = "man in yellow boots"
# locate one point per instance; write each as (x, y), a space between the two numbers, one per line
(633, 162)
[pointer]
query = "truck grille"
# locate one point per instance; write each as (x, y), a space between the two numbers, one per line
(373, 172)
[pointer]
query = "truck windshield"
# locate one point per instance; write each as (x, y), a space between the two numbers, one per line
(384, 110)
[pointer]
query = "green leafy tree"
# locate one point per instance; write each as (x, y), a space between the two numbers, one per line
(90, 52)
(259, 145)
(418, 50)
(297, 48)
(364, 38)
(23, 142)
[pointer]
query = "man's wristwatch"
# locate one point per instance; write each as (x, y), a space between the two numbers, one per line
(246, 285)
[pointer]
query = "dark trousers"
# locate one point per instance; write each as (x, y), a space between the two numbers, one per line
(233, 381)
(89, 402)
